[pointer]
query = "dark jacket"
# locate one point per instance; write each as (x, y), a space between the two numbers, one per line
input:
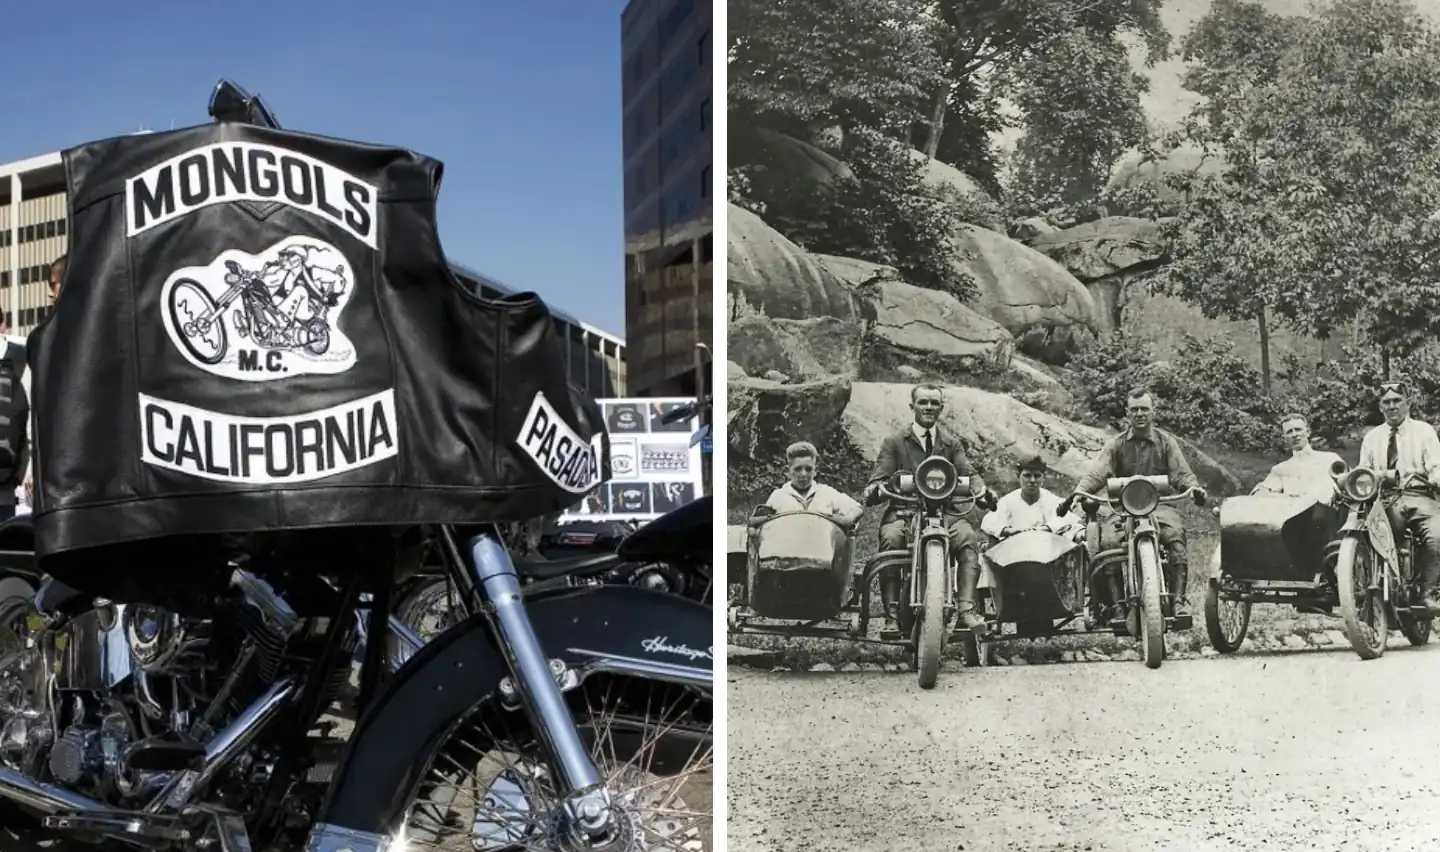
(904, 452)
(1129, 454)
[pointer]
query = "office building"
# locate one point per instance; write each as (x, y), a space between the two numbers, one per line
(34, 231)
(668, 148)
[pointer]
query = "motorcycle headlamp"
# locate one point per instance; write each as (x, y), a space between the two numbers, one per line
(935, 478)
(1360, 484)
(1139, 497)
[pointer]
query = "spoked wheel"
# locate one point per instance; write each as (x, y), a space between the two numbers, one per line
(1416, 630)
(1357, 579)
(1152, 620)
(488, 788)
(1225, 620)
(197, 322)
(430, 609)
(930, 633)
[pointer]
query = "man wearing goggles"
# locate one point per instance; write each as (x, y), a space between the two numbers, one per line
(1408, 451)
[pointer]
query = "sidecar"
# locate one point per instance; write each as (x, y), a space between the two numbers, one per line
(1273, 549)
(798, 573)
(1032, 586)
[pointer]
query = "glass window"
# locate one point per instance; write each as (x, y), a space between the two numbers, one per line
(28, 235)
(24, 276)
(49, 229)
(60, 228)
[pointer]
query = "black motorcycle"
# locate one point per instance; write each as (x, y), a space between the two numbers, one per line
(671, 554)
(563, 717)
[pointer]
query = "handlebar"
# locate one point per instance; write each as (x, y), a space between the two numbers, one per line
(1173, 498)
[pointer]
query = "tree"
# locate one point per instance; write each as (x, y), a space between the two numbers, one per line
(1230, 246)
(1081, 102)
(796, 64)
(1329, 127)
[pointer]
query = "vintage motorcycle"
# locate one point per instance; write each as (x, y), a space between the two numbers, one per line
(1375, 576)
(1131, 577)
(575, 718)
(927, 606)
(204, 334)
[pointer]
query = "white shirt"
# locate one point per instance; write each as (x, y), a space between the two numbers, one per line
(1012, 511)
(920, 432)
(1305, 474)
(821, 499)
(1418, 450)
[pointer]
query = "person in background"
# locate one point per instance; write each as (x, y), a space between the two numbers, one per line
(1031, 506)
(58, 268)
(12, 497)
(803, 494)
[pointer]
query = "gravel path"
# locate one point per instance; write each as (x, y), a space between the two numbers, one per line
(1304, 750)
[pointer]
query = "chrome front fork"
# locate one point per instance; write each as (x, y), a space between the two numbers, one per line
(586, 802)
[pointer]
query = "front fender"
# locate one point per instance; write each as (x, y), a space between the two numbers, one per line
(422, 703)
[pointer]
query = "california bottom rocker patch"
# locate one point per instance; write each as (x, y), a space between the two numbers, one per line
(266, 316)
(268, 450)
(568, 459)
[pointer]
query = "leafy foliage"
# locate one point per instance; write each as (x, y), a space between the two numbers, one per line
(886, 214)
(1207, 391)
(1081, 102)
(1330, 127)
(794, 63)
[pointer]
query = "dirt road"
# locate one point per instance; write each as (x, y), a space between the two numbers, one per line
(1307, 750)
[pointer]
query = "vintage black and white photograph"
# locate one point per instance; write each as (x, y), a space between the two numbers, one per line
(1082, 377)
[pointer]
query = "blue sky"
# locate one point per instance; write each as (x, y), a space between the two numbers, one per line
(519, 98)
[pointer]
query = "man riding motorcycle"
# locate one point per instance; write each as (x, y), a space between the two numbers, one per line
(1031, 506)
(1146, 450)
(903, 452)
(1409, 453)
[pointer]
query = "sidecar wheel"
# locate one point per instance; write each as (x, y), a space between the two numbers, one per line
(1225, 621)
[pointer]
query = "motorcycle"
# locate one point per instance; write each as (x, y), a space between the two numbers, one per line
(568, 718)
(671, 554)
(1131, 577)
(202, 323)
(1379, 587)
(927, 567)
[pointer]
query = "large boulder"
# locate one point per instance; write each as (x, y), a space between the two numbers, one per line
(801, 348)
(778, 277)
(998, 430)
(937, 174)
(927, 331)
(1135, 170)
(1107, 255)
(1104, 247)
(1020, 288)
(798, 160)
(765, 416)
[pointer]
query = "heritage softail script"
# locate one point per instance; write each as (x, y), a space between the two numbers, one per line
(268, 450)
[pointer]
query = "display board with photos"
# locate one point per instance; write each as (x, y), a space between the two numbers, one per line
(653, 468)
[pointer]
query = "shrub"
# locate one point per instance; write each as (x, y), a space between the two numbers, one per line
(1207, 392)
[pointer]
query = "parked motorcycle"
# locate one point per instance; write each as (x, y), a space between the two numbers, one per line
(565, 718)
(671, 554)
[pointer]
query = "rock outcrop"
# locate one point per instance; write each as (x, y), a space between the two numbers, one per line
(765, 416)
(1108, 256)
(778, 277)
(1022, 289)
(806, 349)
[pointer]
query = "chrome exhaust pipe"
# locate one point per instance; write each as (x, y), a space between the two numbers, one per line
(43, 799)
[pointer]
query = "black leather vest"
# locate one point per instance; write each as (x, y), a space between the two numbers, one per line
(258, 330)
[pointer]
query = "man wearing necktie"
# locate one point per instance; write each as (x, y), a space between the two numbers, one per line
(903, 452)
(1409, 453)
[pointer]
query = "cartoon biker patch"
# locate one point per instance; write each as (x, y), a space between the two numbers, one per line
(263, 317)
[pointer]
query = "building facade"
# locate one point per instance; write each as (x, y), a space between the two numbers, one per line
(667, 67)
(34, 217)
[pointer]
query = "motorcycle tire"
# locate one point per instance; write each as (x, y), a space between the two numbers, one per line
(930, 632)
(1152, 619)
(1357, 562)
